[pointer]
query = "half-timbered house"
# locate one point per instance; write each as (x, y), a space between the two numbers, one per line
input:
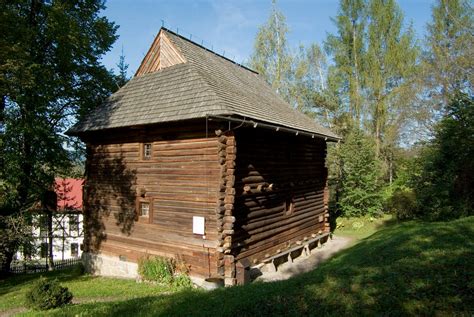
(196, 157)
(63, 240)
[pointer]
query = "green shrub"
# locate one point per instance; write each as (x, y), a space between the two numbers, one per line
(402, 203)
(360, 174)
(182, 280)
(79, 269)
(46, 294)
(156, 269)
(445, 187)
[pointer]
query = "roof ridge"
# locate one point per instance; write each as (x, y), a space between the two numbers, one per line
(278, 104)
(210, 51)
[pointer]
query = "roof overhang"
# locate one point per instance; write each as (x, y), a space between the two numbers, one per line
(274, 127)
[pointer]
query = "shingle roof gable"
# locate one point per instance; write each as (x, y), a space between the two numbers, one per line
(206, 84)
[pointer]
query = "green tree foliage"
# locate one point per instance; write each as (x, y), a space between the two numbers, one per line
(373, 75)
(373, 85)
(308, 89)
(448, 63)
(375, 62)
(398, 196)
(122, 76)
(347, 48)
(15, 233)
(445, 188)
(299, 77)
(271, 57)
(50, 74)
(360, 173)
(391, 65)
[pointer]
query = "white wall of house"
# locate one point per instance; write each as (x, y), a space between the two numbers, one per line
(68, 236)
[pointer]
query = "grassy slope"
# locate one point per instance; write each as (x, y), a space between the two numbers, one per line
(362, 227)
(84, 287)
(412, 268)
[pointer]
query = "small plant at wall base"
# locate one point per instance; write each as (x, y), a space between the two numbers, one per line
(164, 271)
(46, 294)
(181, 281)
(156, 269)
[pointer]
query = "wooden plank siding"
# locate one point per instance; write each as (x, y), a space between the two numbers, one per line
(180, 180)
(161, 54)
(281, 192)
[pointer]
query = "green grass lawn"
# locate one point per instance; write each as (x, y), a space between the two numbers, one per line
(411, 268)
(362, 227)
(84, 287)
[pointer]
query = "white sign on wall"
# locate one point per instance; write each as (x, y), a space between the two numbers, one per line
(198, 225)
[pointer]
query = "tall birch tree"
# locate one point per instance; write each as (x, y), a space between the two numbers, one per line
(448, 61)
(390, 69)
(271, 57)
(348, 49)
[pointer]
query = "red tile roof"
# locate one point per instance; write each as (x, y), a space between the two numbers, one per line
(69, 193)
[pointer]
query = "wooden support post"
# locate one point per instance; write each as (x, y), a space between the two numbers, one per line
(327, 225)
(271, 267)
(225, 224)
(229, 281)
(306, 250)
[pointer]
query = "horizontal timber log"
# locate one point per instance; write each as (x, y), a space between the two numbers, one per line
(280, 183)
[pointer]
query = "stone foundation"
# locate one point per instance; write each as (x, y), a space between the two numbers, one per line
(104, 265)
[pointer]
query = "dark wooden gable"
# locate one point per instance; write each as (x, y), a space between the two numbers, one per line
(161, 54)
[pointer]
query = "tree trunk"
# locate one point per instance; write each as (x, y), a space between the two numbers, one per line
(378, 122)
(2, 121)
(356, 77)
(390, 167)
(2, 109)
(5, 264)
(50, 241)
(377, 138)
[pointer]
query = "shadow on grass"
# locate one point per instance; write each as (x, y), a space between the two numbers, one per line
(17, 281)
(412, 268)
(388, 223)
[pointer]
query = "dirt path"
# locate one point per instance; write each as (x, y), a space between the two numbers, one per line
(306, 263)
(13, 311)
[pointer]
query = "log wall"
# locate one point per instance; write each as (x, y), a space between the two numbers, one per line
(225, 206)
(281, 193)
(180, 180)
(260, 192)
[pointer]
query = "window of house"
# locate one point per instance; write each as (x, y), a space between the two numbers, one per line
(74, 250)
(144, 209)
(73, 224)
(44, 249)
(147, 151)
(43, 226)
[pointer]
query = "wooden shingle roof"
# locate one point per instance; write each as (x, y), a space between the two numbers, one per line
(205, 84)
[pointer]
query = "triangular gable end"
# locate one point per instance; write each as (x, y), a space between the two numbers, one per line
(161, 54)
